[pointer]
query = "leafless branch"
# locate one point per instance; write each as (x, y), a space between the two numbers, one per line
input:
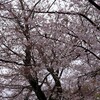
(12, 62)
(44, 79)
(94, 4)
(91, 52)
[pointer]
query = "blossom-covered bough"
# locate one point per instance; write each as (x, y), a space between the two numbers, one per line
(48, 54)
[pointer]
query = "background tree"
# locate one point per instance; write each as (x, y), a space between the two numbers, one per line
(49, 50)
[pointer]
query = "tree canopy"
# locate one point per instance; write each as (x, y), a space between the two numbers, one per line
(49, 50)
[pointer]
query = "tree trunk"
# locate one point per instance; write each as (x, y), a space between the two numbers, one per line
(33, 81)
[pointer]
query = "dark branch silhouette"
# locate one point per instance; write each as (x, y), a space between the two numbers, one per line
(93, 3)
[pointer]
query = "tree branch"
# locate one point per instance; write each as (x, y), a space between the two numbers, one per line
(44, 79)
(70, 13)
(11, 62)
(87, 50)
(51, 5)
(32, 10)
(94, 4)
(22, 5)
(91, 73)
(12, 51)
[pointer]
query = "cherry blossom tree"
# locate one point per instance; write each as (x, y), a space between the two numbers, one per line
(49, 50)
